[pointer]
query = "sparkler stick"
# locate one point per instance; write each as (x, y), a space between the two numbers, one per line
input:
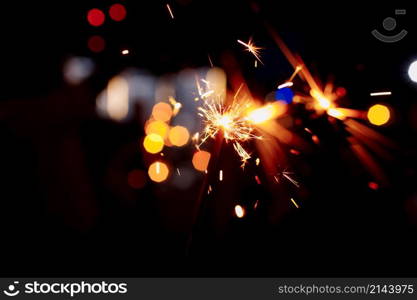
(205, 190)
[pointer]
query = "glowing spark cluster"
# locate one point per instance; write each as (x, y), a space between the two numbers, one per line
(231, 121)
(250, 47)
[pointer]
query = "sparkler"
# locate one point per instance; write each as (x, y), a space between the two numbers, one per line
(232, 121)
(250, 47)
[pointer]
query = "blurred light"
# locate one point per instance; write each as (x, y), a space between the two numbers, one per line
(158, 171)
(336, 113)
(380, 94)
(284, 94)
(378, 114)
(285, 85)
(95, 17)
(117, 12)
(136, 179)
(295, 203)
(373, 186)
(117, 98)
(239, 211)
(157, 127)
(125, 51)
(162, 112)
(96, 43)
(179, 136)
(77, 69)
(341, 92)
(217, 79)
(412, 71)
(153, 143)
(266, 113)
(321, 100)
(201, 160)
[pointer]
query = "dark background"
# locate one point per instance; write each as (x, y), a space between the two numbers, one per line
(65, 209)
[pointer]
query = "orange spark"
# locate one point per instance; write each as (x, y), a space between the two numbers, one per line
(250, 47)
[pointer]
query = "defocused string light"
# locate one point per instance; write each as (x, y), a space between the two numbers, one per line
(162, 112)
(157, 127)
(158, 171)
(117, 12)
(179, 136)
(201, 160)
(96, 44)
(117, 98)
(95, 17)
(379, 114)
(412, 71)
(153, 143)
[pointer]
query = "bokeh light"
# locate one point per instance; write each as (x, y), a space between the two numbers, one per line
(157, 127)
(162, 112)
(117, 12)
(96, 44)
(412, 71)
(158, 171)
(284, 94)
(153, 143)
(77, 69)
(239, 211)
(179, 136)
(201, 160)
(136, 179)
(117, 98)
(378, 114)
(95, 17)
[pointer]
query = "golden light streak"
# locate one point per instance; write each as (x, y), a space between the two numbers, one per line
(336, 113)
(296, 71)
(170, 11)
(295, 203)
(265, 113)
(250, 47)
(258, 161)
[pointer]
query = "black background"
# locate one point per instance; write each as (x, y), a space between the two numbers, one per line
(60, 214)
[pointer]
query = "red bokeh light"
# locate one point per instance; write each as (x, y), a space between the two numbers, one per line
(117, 12)
(341, 92)
(96, 43)
(373, 186)
(95, 17)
